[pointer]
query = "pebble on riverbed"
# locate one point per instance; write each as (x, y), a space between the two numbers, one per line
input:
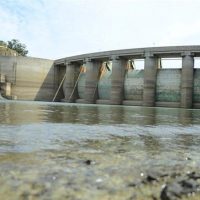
(177, 189)
(193, 175)
(184, 186)
(150, 177)
(89, 162)
(176, 184)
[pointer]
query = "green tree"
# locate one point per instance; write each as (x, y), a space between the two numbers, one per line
(18, 47)
(2, 43)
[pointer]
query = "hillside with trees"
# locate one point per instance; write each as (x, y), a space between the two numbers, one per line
(13, 48)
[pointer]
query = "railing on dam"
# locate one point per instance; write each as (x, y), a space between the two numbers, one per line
(110, 78)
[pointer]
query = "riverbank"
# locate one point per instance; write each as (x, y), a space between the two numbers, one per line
(78, 175)
(79, 152)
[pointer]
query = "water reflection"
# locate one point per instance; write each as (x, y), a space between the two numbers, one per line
(61, 114)
(186, 117)
(35, 112)
(52, 126)
(17, 113)
(149, 116)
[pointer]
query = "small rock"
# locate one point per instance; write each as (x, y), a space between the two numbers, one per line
(171, 192)
(121, 151)
(189, 186)
(193, 175)
(151, 178)
(177, 189)
(134, 184)
(89, 162)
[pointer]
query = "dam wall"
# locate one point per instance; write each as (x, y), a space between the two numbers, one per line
(111, 78)
(106, 78)
(27, 78)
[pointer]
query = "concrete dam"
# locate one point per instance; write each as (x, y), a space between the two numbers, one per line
(106, 78)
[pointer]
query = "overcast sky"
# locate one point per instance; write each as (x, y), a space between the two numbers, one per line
(60, 28)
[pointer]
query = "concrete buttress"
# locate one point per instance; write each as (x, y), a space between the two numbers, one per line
(68, 87)
(92, 78)
(150, 71)
(187, 80)
(117, 83)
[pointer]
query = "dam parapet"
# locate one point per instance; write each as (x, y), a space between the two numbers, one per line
(107, 79)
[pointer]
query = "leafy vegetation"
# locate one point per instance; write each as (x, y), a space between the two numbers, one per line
(2, 43)
(15, 45)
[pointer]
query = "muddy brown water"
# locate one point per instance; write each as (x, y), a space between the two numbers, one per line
(74, 151)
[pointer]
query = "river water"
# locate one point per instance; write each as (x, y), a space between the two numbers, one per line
(74, 151)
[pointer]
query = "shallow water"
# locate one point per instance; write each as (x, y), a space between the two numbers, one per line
(73, 151)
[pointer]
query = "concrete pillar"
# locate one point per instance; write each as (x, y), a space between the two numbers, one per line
(187, 80)
(150, 71)
(69, 87)
(60, 71)
(2, 78)
(6, 89)
(117, 84)
(159, 63)
(91, 82)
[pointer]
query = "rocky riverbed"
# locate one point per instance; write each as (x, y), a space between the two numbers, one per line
(81, 176)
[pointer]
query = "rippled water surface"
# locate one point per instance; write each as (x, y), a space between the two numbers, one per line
(72, 151)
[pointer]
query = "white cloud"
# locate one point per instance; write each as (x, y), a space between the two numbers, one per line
(60, 28)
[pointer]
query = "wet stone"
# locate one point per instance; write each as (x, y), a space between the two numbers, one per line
(88, 162)
(193, 175)
(135, 184)
(177, 189)
(149, 178)
(153, 177)
(189, 186)
(188, 158)
(121, 151)
(171, 192)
